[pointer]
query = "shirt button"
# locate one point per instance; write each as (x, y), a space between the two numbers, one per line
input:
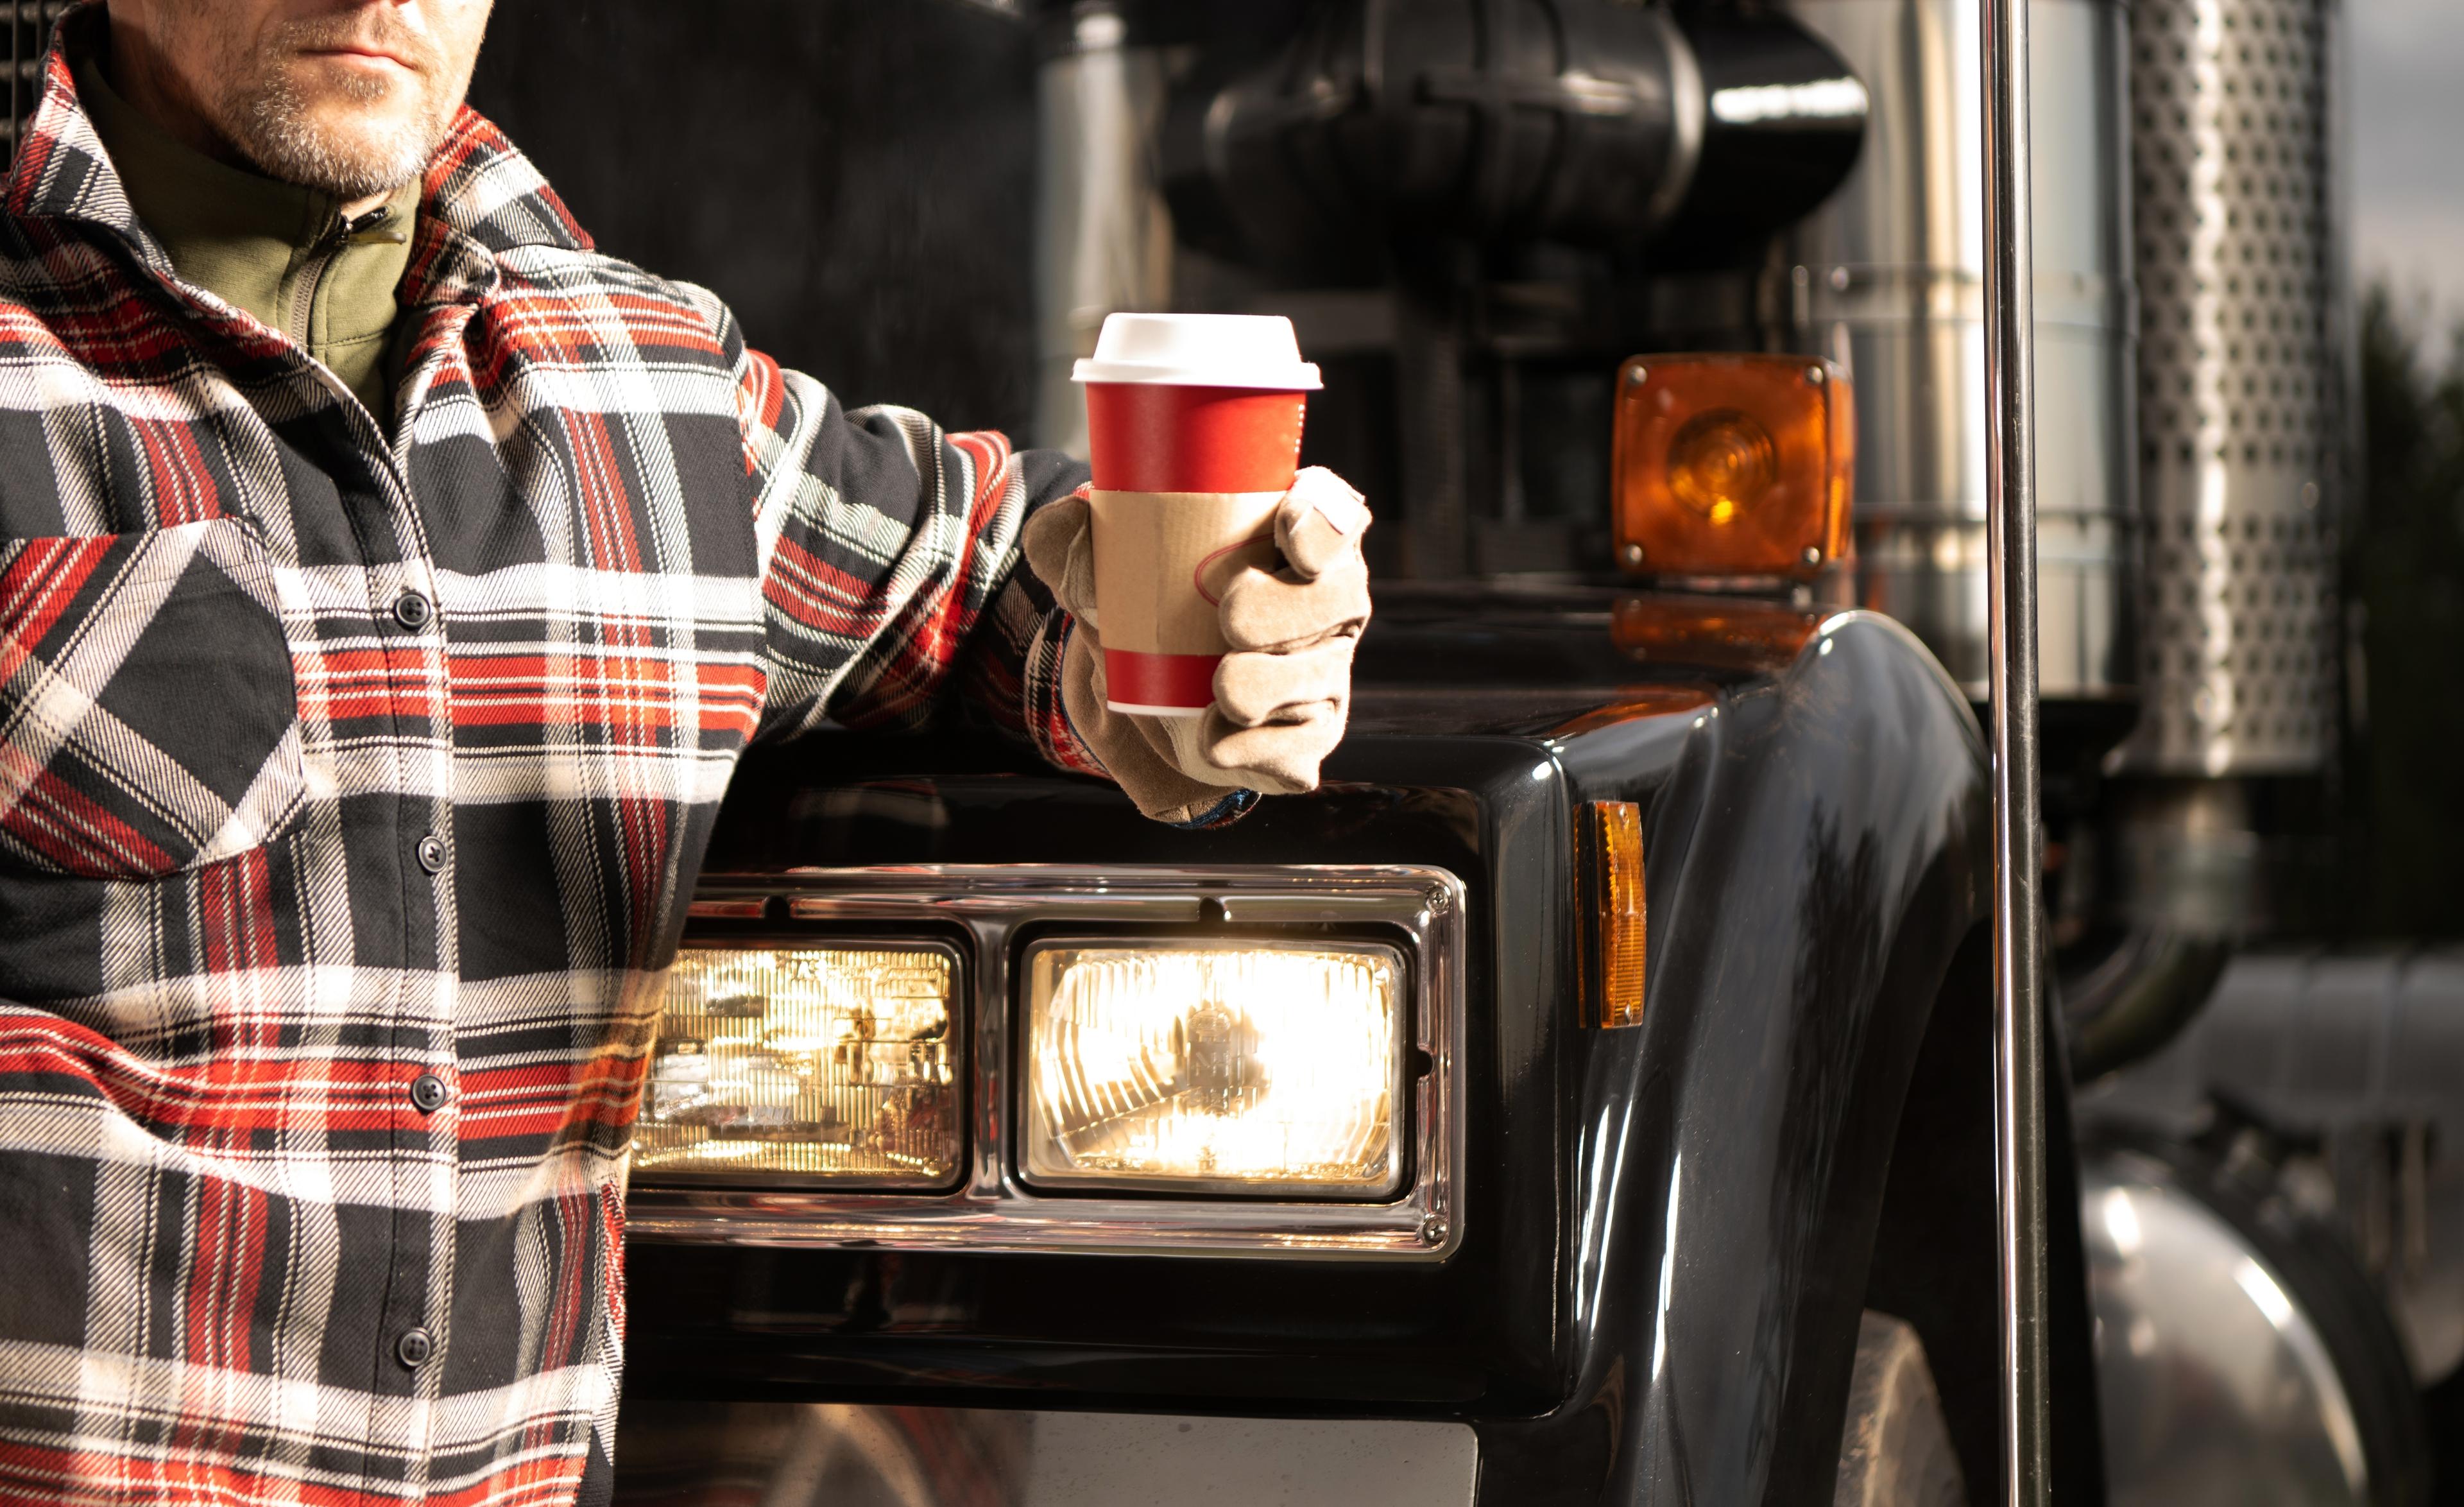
(431, 853)
(427, 1093)
(413, 1348)
(413, 610)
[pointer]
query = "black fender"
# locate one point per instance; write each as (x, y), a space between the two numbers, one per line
(1817, 857)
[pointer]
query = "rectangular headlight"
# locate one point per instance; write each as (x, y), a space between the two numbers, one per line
(1250, 1067)
(835, 1065)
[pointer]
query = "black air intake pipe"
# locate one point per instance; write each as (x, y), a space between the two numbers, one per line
(1585, 122)
(2184, 878)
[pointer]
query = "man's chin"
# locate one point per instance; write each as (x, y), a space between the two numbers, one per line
(352, 137)
(345, 155)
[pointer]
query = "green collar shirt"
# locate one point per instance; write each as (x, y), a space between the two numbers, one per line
(285, 253)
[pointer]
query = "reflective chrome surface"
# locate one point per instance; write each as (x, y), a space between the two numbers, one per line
(1103, 238)
(996, 1210)
(2366, 1048)
(2242, 380)
(2012, 715)
(1888, 279)
(2216, 1388)
(785, 1455)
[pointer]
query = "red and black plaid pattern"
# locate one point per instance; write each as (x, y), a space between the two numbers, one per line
(353, 776)
(147, 717)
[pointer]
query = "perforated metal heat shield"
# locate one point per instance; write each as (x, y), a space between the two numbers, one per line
(2243, 407)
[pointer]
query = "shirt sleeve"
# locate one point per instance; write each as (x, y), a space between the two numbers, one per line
(893, 587)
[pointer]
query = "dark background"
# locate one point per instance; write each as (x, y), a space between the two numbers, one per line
(2405, 777)
(856, 177)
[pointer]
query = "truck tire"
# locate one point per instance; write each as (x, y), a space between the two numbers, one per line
(1895, 1449)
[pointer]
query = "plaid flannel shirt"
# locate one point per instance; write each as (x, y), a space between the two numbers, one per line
(353, 779)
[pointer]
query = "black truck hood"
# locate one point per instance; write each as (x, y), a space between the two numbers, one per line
(1813, 798)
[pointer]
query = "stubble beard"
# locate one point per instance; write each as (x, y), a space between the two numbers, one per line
(357, 148)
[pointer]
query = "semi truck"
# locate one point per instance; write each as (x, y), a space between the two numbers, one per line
(1586, 1095)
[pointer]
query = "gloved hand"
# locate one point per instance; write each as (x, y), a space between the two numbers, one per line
(1282, 695)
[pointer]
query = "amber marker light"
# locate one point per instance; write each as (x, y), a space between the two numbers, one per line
(1733, 465)
(1612, 853)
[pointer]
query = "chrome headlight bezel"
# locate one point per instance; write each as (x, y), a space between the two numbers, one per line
(1420, 912)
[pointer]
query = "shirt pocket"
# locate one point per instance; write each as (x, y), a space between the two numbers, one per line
(150, 721)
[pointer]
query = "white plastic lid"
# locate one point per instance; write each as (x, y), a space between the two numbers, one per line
(1200, 350)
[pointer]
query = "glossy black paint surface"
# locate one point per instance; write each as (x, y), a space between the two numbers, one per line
(1824, 829)
(1665, 1228)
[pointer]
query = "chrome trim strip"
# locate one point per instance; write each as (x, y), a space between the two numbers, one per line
(996, 1210)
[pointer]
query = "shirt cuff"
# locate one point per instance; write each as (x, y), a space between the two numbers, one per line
(1223, 814)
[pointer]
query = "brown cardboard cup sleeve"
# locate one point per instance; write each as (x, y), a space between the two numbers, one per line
(1162, 562)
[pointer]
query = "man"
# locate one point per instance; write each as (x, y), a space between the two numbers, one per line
(387, 585)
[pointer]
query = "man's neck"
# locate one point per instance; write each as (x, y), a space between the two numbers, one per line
(135, 68)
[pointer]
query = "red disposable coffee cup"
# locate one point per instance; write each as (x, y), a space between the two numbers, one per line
(1194, 423)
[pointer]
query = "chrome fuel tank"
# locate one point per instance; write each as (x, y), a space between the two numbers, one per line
(2217, 1385)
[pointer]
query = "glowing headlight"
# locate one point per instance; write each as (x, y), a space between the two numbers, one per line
(833, 1065)
(1261, 1068)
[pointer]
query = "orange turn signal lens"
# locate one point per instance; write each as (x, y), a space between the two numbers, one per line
(1612, 843)
(1721, 462)
(1733, 465)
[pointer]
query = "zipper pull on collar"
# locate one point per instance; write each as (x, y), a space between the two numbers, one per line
(375, 228)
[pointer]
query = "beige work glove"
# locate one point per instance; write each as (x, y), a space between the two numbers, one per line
(1281, 695)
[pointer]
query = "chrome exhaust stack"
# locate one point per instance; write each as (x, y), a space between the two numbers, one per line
(1888, 279)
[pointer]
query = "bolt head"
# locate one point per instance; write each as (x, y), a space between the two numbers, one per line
(1813, 374)
(1812, 554)
(1633, 554)
(1637, 376)
(1433, 1231)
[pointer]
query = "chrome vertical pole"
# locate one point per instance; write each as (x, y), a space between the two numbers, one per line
(2018, 860)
